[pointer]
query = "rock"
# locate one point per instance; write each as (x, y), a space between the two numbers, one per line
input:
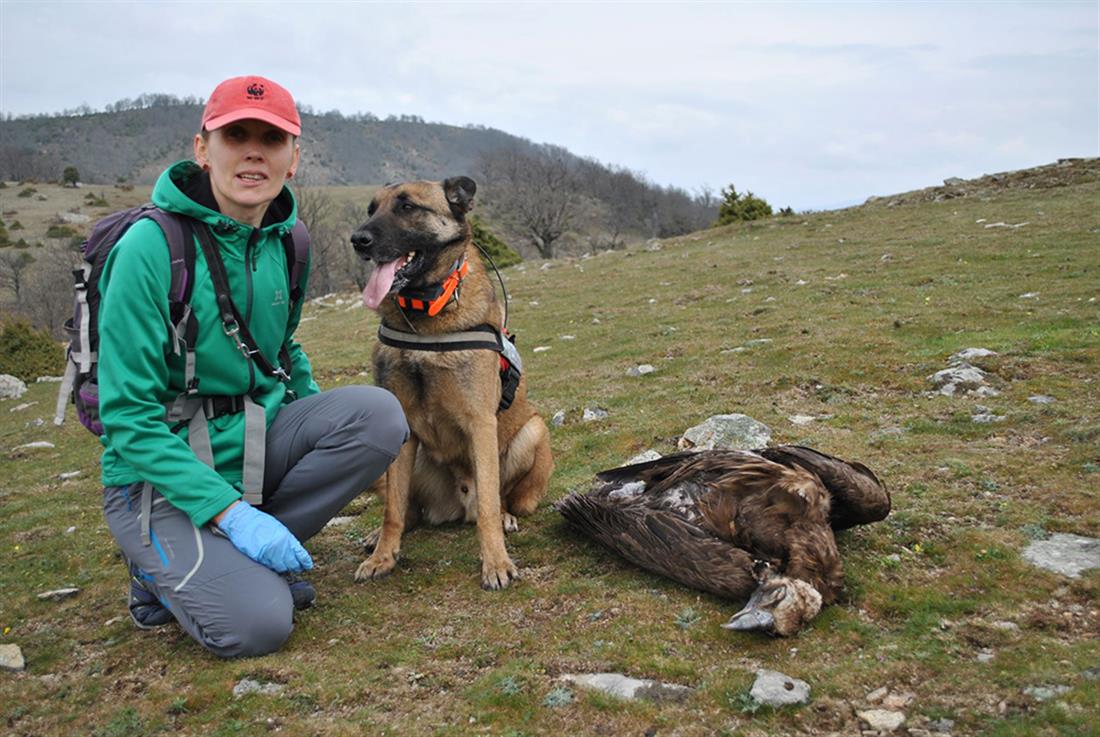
(625, 687)
(732, 432)
(985, 391)
(983, 416)
(877, 695)
(70, 529)
(1041, 399)
(592, 414)
(11, 387)
(640, 370)
(36, 444)
(643, 457)
(801, 419)
(567, 337)
(897, 701)
(74, 218)
(775, 689)
(540, 349)
(1064, 553)
(985, 656)
(953, 182)
(247, 686)
(68, 475)
(558, 419)
(757, 341)
(11, 658)
(1045, 693)
(59, 594)
(1005, 626)
(942, 726)
(962, 377)
(1091, 674)
(340, 521)
(49, 379)
(21, 407)
(883, 720)
(966, 355)
(1029, 295)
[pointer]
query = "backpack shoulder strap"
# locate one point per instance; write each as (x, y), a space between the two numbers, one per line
(179, 234)
(297, 243)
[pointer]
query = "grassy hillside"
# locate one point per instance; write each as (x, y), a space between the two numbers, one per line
(860, 306)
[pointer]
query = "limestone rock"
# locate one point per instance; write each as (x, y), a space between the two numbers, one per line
(625, 687)
(592, 414)
(59, 594)
(883, 720)
(643, 457)
(1045, 693)
(1064, 553)
(1041, 399)
(11, 387)
(775, 689)
(640, 370)
(248, 685)
(558, 419)
(729, 432)
(966, 355)
(957, 379)
(11, 658)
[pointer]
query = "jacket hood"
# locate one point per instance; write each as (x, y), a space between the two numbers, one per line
(185, 188)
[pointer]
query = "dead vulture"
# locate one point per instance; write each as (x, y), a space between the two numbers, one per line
(754, 525)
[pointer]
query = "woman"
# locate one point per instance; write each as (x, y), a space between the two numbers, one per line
(198, 553)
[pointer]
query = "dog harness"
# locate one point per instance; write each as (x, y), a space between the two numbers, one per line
(482, 337)
(432, 299)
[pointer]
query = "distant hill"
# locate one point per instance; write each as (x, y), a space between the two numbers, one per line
(136, 145)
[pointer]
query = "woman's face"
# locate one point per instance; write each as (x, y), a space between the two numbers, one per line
(249, 161)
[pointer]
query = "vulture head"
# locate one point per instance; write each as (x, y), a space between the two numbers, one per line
(779, 607)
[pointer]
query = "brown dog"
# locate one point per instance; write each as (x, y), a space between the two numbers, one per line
(467, 458)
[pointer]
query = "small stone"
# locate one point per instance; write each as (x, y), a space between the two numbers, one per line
(883, 720)
(21, 407)
(36, 444)
(943, 726)
(964, 376)
(68, 475)
(593, 414)
(775, 689)
(1045, 693)
(984, 417)
(59, 594)
(11, 658)
(1028, 295)
(1091, 674)
(340, 521)
(70, 530)
(558, 419)
(801, 419)
(967, 355)
(1005, 626)
(985, 656)
(640, 370)
(11, 387)
(644, 457)
(540, 349)
(1063, 553)
(985, 391)
(877, 695)
(1041, 399)
(248, 686)
(567, 337)
(49, 379)
(953, 182)
(625, 687)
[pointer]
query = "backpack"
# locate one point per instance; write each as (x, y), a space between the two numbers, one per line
(80, 384)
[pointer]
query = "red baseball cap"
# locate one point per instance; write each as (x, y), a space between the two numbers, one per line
(258, 98)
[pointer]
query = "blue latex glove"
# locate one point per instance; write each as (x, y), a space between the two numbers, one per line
(264, 539)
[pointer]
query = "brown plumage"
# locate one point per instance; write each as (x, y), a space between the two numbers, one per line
(715, 520)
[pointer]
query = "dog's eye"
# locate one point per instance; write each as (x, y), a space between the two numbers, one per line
(371, 210)
(407, 207)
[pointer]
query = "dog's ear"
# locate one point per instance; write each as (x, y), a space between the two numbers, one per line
(460, 194)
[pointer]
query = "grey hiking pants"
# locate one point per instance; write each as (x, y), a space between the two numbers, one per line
(322, 452)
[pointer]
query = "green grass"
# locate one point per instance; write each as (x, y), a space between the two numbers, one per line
(427, 652)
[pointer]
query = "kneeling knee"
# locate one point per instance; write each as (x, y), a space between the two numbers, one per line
(260, 633)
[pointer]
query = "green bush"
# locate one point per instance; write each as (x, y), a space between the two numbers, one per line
(16, 225)
(737, 207)
(501, 253)
(27, 353)
(27, 192)
(60, 231)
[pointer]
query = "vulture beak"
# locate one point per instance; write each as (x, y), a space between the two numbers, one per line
(757, 613)
(779, 607)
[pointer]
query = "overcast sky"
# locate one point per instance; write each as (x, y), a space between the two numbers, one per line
(812, 105)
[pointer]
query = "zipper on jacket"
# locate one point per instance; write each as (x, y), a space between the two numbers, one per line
(253, 238)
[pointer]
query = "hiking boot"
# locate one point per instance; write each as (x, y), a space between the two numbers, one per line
(146, 610)
(301, 591)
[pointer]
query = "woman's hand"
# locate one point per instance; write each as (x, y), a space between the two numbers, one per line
(263, 538)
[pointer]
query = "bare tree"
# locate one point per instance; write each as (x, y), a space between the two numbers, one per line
(535, 193)
(14, 263)
(48, 289)
(318, 211)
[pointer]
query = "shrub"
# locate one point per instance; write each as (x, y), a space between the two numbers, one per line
(501, 253)
(27, 353)
(70, 176)
(16, 225)
(60, 231)
(26, 192)
(737, 207)
(3, 184)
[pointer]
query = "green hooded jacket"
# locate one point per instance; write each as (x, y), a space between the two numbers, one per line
(139, 371)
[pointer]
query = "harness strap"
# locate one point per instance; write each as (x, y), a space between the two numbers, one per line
(146, 512)
(64, 391)
(480, 337)
(255, 452)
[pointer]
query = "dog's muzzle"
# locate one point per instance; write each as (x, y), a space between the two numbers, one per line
(361, 241)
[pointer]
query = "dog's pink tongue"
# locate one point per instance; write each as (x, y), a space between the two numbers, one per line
(378, 286)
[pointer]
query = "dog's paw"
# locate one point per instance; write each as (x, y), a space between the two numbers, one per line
(370, 542)
(499, 575)
(376, 566)
(511, 524)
